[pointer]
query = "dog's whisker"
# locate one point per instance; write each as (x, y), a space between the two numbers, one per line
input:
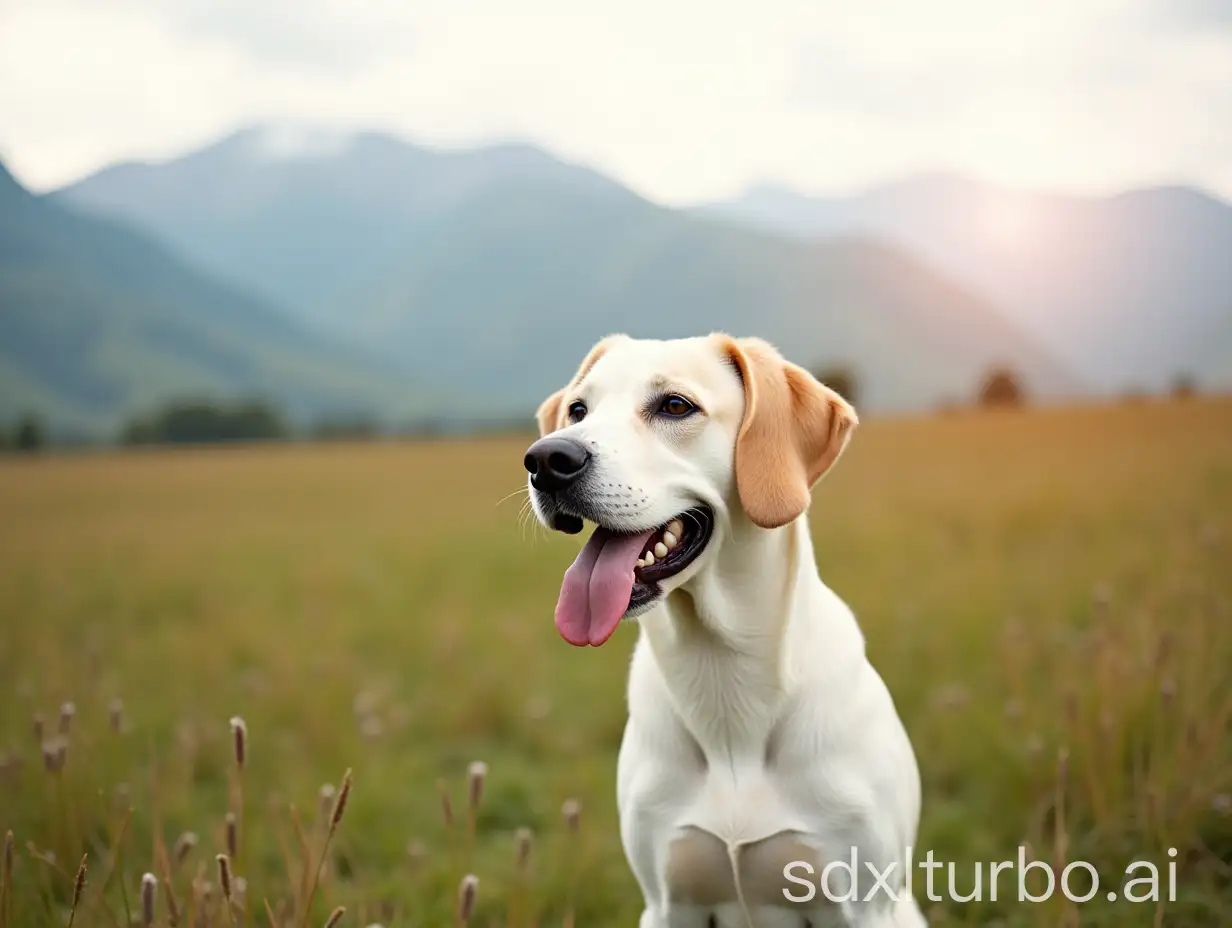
(508, 496)
(526, 516)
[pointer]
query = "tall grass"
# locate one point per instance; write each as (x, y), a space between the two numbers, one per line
(1046, 595)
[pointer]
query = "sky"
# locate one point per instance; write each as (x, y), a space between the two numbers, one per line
(682, 100)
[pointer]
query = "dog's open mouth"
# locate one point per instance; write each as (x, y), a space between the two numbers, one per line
(618, 574)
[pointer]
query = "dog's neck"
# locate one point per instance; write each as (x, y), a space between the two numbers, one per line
(721, 641)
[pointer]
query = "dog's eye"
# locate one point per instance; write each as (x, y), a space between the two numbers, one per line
(676, 406)
(577, 411)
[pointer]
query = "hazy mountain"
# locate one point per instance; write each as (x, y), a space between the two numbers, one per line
(493, 270)
(98, 321)
(1131, 290)
(299, 216)
(508, 293)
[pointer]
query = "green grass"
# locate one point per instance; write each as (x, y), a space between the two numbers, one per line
(1030, 584)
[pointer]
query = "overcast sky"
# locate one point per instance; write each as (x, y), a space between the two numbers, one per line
(683, 100)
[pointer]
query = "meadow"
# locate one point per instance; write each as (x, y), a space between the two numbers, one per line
(1047, 594)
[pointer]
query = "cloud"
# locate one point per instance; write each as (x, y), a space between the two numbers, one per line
(683, 101)
(1199, 14)
(1035, 95)
(325, 36)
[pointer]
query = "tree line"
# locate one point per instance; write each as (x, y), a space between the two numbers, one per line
(214, 422)
(204, 422)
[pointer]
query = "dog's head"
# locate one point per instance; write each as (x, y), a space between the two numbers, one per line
(667, 446)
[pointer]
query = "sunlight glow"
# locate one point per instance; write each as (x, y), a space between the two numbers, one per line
(1007, 221)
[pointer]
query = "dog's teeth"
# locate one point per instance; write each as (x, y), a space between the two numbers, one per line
(660, 550)
(641, 562)
(675, 527)
(649, 559)
(669, 539)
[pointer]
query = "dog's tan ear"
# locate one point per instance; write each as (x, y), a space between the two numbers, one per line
(551, 413)
(794, 429)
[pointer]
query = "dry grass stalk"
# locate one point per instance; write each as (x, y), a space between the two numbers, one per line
(335, 916)
(55, 752)
(467, 891)
(226, 882)
(184, 845)
(523, 842)
(39, 727)
(115, 715)
(335, 819)
(239, 744)
(340, 802)
(571, 812)
(173, 905)
(232, 826)
(117, 841)
(79, 884)
(67, 712)
(239, 737)
(196, 899)
(149, 892)
(451, 842)
(446, 803)
(476, 775)
(416, 854)
(6, 879)
(224, 875)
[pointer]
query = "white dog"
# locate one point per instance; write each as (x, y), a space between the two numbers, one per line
(761, 746)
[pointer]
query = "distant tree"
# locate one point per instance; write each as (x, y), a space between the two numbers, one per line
(29, 436)
(203, 422)
(1183, 387)
(345, 429)
(842, 380)
(1001, 388)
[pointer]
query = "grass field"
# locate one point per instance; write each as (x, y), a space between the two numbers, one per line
(1047, 595)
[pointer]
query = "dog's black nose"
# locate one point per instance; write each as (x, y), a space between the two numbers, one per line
(555, 463)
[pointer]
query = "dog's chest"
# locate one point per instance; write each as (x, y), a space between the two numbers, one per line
(739, 800)
(729, 704)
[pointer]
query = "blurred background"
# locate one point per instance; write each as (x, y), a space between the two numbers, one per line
(417, 216)
(1002, 231)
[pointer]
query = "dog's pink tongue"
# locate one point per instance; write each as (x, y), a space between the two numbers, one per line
(595, 592)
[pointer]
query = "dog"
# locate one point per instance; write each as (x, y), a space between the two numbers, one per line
(761, 746)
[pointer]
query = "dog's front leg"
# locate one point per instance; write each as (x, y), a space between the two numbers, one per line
(654, 781)
(640, 824)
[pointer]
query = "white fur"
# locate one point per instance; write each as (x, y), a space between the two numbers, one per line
(753, 709)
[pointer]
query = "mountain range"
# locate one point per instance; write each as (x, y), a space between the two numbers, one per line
(336, 271)
(99, 321)
(494, 269)
(1131, 290)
